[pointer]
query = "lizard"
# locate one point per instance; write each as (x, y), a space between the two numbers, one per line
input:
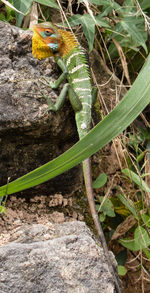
(62, 45)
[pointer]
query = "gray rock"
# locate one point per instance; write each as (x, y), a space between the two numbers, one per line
(60, 258)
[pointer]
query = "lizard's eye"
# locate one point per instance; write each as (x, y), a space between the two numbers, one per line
(48, 33)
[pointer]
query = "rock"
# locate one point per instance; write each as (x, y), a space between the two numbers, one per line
(58, 258)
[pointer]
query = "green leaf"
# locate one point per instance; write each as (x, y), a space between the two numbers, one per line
(88, 26)
(128, 204)
(101, 21)
(146, 219)
(122, 270)
(49, 3)
(136, 179)
(102, 218)
(147, 252)
(140, 157)
(129, 244)
(107, 207)
(137, 98)
(141, 240)
(129, 25)
(22, 6)
(141, 237)
(3, 210)
(74, 20)
(145, 4)
(127, 9)
(97, 2)
(123, 43)
(100, 181)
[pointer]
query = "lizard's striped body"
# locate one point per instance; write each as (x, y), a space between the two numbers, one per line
(64, 47)
(79, 78)
(77, 72)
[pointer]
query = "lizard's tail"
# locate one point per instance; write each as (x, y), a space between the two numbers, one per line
(90, 196)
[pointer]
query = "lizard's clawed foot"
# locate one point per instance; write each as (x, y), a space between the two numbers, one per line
(50, 84)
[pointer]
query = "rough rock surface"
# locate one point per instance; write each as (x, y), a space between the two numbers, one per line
(60, 258)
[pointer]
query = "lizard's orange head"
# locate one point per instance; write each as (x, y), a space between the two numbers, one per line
(46, 40)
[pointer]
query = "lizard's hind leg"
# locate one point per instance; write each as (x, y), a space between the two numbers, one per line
(74, 99)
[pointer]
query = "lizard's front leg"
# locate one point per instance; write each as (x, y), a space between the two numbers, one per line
(60, 100)
(62, 77)
(54, 85)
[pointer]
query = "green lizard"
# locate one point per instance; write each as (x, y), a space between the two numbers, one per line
(48, 41)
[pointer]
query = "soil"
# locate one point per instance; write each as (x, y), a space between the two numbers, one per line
(38, 209)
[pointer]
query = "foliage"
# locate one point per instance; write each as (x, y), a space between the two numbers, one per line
(106, 208)
(141, 240)
(123, 23)
(100, 181)
(23, 7)
(9, 14)
(3, 210)
(122, 270)
(138, 232)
